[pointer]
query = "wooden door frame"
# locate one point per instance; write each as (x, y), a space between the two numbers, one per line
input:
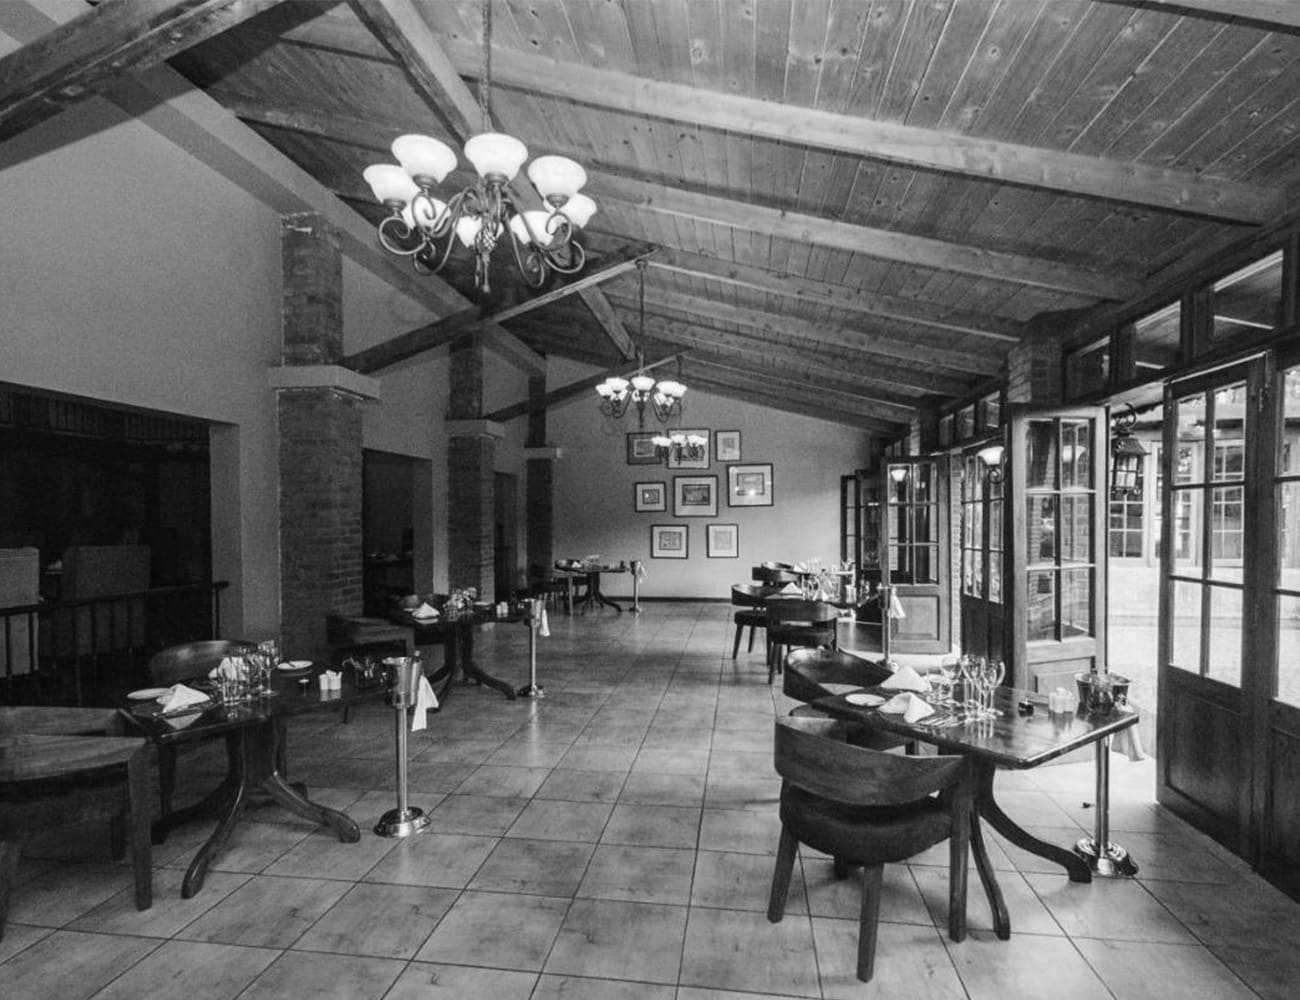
(943, 545)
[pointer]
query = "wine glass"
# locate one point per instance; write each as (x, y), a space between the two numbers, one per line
(966, 673)
(996, 672)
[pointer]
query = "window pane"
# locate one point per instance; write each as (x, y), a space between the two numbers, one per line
(1076, 607)
(1187, 531)
(1088, 369)
(1225, 635)
(1226, 528)
(1156, 339)
(1041, 456)
(995, 577)
(1076, 529)
(1041, 605)
(1187, 626)
(1288, 521)
(975, 587)
(923, 524)
(1288, 650)
(1076, 457)
(925, 564)
(995, 525)
(1041, 528)
(1249, 301)
(923, 483)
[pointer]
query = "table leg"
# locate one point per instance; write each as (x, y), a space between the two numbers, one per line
(985, 805)
(237, 783)
(215, 803)
(472, 671)
(597, 596)
(1101, 856)
(1001, 918)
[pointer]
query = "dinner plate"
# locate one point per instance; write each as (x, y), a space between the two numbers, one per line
(864, 698)
(295, 665)
(144, 694)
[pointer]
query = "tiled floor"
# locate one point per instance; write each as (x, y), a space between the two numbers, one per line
(614, 841)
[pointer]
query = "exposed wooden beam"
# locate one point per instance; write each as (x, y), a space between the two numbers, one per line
(433, 335)
(950, 152)
(838, 296)
(572, 390)
(84, 56)
(514, 350)
(839, 337)
(1281, 12)
(609, 322)
(789, 404)
(809, 357)
(907, 248)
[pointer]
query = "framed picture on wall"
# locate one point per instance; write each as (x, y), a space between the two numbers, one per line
(693, 453)
(642, 450)
(695, 496)
(726, 446)
(749, 485)
(668, 541)
(650, 496)
(722, 541)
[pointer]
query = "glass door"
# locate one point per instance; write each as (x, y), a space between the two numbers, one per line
(981, 558)
(1056, 588)
(914, 533)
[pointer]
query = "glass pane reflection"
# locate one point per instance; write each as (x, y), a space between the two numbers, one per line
(1041, 605)
(1288, 650)
(1040, 528)
(1225, 635)
(1040, 455)
(1187, 626)
(1076, 606)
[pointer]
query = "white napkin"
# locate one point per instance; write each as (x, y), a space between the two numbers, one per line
(1128, 741)
(904, 679)
(895, 605)
(544, 625)
(791, 588)
(179, 697)
(425, 699)
(229, 668)
(911, 707)
(425, 610)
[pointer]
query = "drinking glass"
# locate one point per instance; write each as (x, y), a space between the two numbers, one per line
(996, 672)
(259, 666)
(967, 673)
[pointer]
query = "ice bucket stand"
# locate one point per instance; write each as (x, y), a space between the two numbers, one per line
(404, 687)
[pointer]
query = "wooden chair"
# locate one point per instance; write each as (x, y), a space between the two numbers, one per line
(795, 622)
(176, 665)
(773, 574)
(61, 767)
(808, 671)
(748, 598)
(864, 807)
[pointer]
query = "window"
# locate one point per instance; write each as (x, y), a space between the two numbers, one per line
(1088, 369)
(1127, 512)
(1228, 501)
(1156, 337)
(1249, 301)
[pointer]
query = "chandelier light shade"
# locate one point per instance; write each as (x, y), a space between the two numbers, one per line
(425, 228)
(619, 395)
(682, 446)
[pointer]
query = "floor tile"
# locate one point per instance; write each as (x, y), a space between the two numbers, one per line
(481, 815)
(911, 962)
(727, 949)
(189, 969)
(503, 781)
(423, 981)
(582, 786)
(580, 988)
(169, 912)
(1028, 965)
(549, 819)
(901, 900)
(747, 831)
(500, 930)
(70, 965)
(648, 874)
(1162, 971)
(303, 976)
(323, 855)
(266, 911)
(19, 937)
(544, 867)
(382, 921)
(647, 788)
(741, 882)
(617, 939)
(434, 859)
(1271, 974)
(652, 826)
(64, 893)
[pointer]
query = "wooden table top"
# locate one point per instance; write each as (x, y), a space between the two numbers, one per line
(1011, 740)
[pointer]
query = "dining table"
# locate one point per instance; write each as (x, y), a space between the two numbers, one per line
(593, 597)
(254, 732)
(1022, 734)
(454, 631)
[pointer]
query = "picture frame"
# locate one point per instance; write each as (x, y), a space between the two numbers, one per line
(669, 541)
(692, 458)
(750, 485)
(695, 496)
(722, 541)
(726, 446)
(650, 497)
(641, 449)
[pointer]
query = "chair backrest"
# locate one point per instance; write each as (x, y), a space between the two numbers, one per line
(773, 576)
(59, 720)
(807, 668)
(811, 754)
(193, 659)
(749, 595)
(793, 609)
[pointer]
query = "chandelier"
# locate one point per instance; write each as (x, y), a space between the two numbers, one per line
(680, 446)
(618, 395)
(423, 227)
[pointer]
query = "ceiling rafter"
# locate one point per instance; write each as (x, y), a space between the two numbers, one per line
(950, 152)
(84, 56)
(574, 389)
(1281, 12)
(831, 335)
(434, 335)
(803, 407)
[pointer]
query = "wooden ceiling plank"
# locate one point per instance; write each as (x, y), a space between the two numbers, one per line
(802, 406)
(609, 322)
(848, 395)
(907, 248)
(1280, 12)
(572, 390)
(84, 56)
(839, 296)
(951, 152)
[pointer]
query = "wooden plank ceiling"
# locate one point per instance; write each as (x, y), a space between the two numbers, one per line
(850, 207)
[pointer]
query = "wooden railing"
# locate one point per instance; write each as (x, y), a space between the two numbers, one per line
(89, 650)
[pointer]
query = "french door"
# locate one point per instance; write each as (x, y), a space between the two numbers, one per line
(1056, 590)
(916, 557)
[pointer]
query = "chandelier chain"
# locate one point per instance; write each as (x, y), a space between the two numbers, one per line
(485, 77)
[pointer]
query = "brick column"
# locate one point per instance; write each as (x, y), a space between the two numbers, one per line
(539, 501)
(1034, 365)
(471, 462)
(319, 415)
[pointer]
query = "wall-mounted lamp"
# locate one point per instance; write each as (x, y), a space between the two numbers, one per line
(991, 456)
(898, 473)
(1126, 454)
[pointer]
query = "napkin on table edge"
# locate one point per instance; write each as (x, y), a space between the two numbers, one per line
(911, 706)
(180, 696)
(905, 678)
(425, 610)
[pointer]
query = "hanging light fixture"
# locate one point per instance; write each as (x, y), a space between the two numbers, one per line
(424, 228)
(1126, 454)
(990, 457)
(680, 446)
(618, 394)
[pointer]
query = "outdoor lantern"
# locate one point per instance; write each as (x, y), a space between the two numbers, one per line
(1126, 454)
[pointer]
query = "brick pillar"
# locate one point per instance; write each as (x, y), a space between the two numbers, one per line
(539, 502)
(319, 413)
(471, 462)
(1034, 365)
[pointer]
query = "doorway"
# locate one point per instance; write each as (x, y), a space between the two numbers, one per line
(505, 536)
(387, 528)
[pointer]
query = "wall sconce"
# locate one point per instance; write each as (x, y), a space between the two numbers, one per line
(1126, 454)
(991, 456)
(898, 473)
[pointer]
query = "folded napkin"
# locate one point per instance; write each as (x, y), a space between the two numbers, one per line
(230, 668)
(791, 588)
(1128, 741)
(910, 706)
(180, 697)
(425, 699)
(425, 610)
(331, 680)
(904, 679)
(544, 625)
